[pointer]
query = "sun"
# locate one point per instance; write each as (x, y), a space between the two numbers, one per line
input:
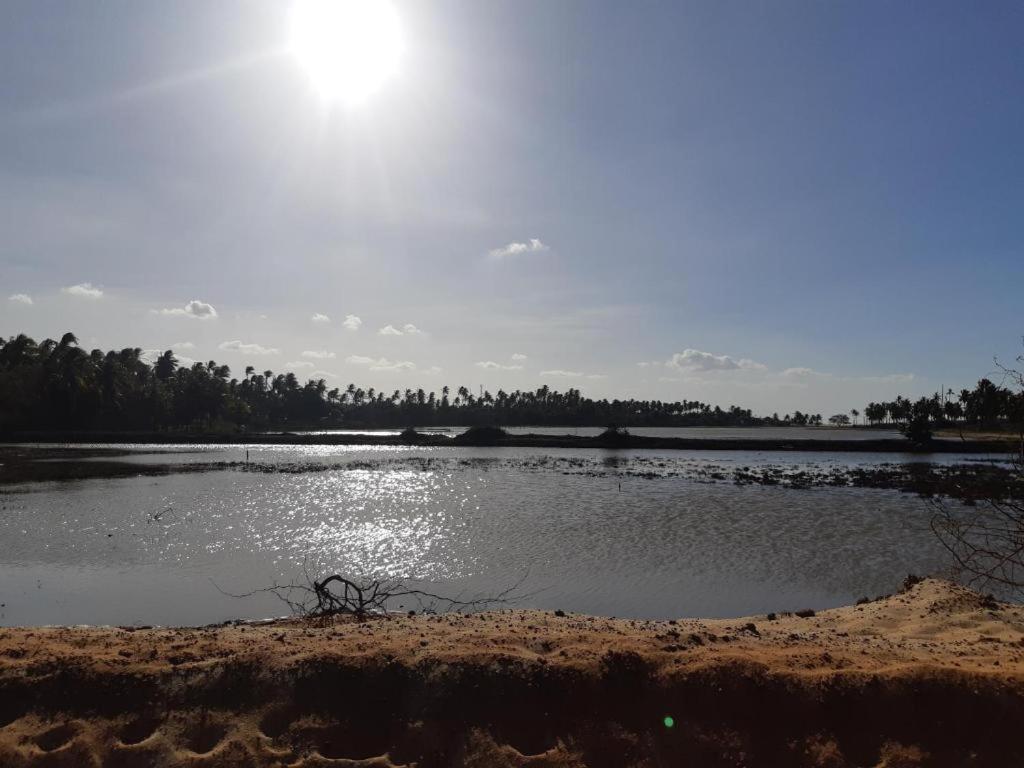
(349, 48)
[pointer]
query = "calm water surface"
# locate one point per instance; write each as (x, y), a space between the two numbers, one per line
(581, 527)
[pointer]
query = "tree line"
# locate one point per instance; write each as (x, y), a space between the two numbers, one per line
(988, 406)
(58, 385)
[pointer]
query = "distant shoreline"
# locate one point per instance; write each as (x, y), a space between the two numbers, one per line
(886, 445)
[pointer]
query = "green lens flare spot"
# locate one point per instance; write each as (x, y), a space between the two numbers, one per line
(669, 721)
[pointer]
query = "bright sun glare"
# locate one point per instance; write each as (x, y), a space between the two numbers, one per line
(348, 47)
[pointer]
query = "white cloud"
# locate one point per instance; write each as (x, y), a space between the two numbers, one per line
(319, 317)
(359, 360)
(323, 374)
(384, 364)
(649, 364)
(597, 376)
(695, 360)
(533, 245)
(248, 349)
(518, 356)
(319, 354)
(299, 364)
(181, 346)
(406, 330)
(84, 291)
(895, 378)
(20, 298)
(352, 323)
(196, 309)
(491, 365)
(803, 373)
(561, 374)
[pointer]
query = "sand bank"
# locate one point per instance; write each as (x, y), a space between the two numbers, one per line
(932, 676)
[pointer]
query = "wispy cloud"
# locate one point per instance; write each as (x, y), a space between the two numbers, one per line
(533, 245)
(803, 373)
(299, 364)
(560, 374)
(318, 354)
(248, 349)
(384, 364)
(320, 318)
(381, 363)
(518, 356)
(196, 309)
(695, 360)
(352, 322)
(20, 298)
(84, 291)
(493, 366)
(183, 346)
(406, 330)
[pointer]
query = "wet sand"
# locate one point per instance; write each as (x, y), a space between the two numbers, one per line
(931, 676)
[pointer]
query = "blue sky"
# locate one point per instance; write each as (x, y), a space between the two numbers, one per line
(782, 205)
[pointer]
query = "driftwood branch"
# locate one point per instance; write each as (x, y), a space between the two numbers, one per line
(338, 595)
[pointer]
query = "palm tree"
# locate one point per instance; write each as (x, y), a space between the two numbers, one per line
(166, 365)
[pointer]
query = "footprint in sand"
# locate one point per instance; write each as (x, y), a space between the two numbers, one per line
(203, 737)
(276, 721)
(57, 737)
(138, 730)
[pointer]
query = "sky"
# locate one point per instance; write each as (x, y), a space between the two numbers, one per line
(784, 205)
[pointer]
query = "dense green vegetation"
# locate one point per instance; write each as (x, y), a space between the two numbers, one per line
(987, 406)
(55, 385)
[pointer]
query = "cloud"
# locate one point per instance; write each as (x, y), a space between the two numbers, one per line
(649, 364)
(181, 346)
(561, 374)
(84, 291)
(406, 330)
(493, 366)
(196, 309)
(319, 354)
(20, 298)
(695, 360)
(518, 356)
(352, 323)
(324, 374)
(384, 364)
(319, 317)
(597, 376)
(894, 378)
(803, 373)
(299, 364)
(248, 349)
(533, 245)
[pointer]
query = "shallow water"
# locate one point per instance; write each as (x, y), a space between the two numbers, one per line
(584, 531)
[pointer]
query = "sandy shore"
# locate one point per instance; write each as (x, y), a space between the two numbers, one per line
(931, 676)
